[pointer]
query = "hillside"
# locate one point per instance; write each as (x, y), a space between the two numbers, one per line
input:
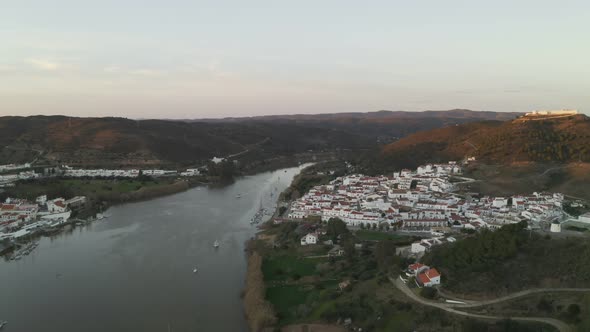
(550, 140)
(120, 141)
(383, 126)
(103, 141)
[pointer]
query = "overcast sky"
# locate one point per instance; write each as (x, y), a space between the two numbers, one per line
(192, 59)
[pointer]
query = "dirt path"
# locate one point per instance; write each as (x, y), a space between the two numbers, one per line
(399, 284)
(476, 303)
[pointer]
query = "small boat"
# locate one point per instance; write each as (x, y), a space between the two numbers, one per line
(195, 270)
(238, 196)
(2, 323)
(216, 244)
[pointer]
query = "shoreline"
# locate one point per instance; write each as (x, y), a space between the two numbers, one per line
(259, 312)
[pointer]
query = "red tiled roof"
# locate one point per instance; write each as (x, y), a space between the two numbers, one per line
(423, 278)
(415, 266)
(432, 273)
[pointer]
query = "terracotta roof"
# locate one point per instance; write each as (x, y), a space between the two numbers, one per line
(415, 266)
(432, 273)
(423, 278)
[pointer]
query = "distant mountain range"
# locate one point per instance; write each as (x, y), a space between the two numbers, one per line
(120, 141)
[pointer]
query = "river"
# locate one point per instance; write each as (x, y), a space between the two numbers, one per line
(134, 270)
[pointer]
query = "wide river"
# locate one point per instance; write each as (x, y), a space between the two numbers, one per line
(134, 270)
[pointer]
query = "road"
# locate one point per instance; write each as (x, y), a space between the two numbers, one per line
(448, 307)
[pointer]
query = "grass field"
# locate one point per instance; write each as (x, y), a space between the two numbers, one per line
(281, 267)
(369, 235)
(291, 301)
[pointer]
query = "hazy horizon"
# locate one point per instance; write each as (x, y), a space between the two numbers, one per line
(213, 59)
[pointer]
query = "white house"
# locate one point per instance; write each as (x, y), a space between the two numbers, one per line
(57, 205)
(310, 238)
(500, 202)
(418, 247)
(429, 278)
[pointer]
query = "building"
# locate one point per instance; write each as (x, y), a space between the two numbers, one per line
(585, 218)
(57, 205)
(76, 201)
(552, 113)
(428, 278)
(310, 238)
(415, 269)
(555, 227)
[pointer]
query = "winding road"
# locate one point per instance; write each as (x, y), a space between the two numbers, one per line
(450, 307)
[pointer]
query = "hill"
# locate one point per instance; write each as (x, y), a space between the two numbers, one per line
(120, 141)
(383, 126)
(113, 141)
(521, 140)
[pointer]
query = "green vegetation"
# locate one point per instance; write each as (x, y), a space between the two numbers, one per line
(99, 188)
(307, 290)
(506, 325)
(511, 259)
(574, 211)
(284, 267)
(399, 240)
(570, 307)
(577, 228)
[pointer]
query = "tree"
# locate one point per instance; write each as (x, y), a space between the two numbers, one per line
(573, 310)
(348, 246)
(336, 227)
(385, 255)
(428, 292)
(282, 210)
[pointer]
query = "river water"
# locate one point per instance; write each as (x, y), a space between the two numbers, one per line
(134, 270)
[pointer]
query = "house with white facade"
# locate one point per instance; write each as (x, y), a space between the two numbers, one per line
(428, 278)
(311, 238)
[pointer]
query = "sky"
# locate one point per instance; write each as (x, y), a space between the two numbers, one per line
(197, 59)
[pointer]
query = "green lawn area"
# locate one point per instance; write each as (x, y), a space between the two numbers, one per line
(287, 299)
(280, 267)
(369, 235)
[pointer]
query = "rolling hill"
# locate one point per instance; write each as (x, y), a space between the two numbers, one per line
(558, 140)
(120, 141)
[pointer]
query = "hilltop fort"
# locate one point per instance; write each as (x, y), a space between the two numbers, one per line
(564, 112)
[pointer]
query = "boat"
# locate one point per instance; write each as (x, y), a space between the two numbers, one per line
(195, 270)
(2, 323)
(238, 196)
(216, 244)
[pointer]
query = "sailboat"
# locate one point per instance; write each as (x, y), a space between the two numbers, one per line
(216, 244)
